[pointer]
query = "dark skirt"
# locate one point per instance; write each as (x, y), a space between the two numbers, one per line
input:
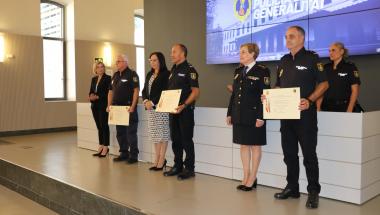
(249, 135)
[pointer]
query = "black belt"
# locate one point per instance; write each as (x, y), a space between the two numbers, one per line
(336, 102)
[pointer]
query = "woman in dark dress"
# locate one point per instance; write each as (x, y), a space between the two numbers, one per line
(158, 123)
(245, 112)
(344, 82)
(98, 98)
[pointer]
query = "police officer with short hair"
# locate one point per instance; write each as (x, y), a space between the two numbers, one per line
(301, 68)
(245, 112)
(344, 82)
(185, 77)
(124, 91)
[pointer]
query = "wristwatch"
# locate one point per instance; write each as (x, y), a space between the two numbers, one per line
(310, 102)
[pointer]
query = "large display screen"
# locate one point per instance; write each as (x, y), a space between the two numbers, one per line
(231, 23)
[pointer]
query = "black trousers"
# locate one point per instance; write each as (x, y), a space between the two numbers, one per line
(304, 132)
(101, 119)
(181, 132)
(127, 138)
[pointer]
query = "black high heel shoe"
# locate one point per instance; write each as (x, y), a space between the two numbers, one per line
(102, 156)
(254, 186)
(152, 168)
(161, 168)
(97, 154)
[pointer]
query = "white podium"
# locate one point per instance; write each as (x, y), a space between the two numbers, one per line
(348, 150)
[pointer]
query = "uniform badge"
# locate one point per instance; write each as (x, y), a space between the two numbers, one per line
(280, 74)
(266, 81)
(253, 78)
(193, 75)
(356, 74)
(236, 76)
(135, 79)
(320, 67)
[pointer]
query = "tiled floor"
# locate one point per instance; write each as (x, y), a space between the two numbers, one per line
(57, 156)
(12, 203)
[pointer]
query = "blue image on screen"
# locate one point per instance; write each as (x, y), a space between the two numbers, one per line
(230, 22)
(359, 37)
(271, 39)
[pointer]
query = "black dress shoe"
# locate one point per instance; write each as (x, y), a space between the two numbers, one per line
(161, 168)
(240, 186)
(132, 160)
(254, 185)
(286, 193)
(312, 200)
(120, 158)
(153, 168)
(185, 174)
(104, 155)
(173, 171)
(97, 154)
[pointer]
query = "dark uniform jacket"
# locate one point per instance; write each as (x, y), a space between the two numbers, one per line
(122, 86)
(159, 84)
(340, 80)
(304, 70)
(245, 105)
(101, 90)
(183, 76)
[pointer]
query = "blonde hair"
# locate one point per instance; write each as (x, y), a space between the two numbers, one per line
(95, 65)
(341, 46)
(252, 48)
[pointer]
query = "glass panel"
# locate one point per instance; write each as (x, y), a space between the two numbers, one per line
(139, 31)
(53, 69)
(140, 66)
(51, 20)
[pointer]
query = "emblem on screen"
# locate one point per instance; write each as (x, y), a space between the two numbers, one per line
(242, 9)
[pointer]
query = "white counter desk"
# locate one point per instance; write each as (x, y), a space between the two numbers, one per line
(348, 150)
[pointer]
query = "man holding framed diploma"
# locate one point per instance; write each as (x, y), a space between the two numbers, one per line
(300, 69)
(169, 101)
(122, 101)
(183, 82)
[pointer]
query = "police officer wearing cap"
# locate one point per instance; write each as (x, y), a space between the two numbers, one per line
(124, 91)
(245, 112)
(183, 76)
(301, 68)
(344, 82)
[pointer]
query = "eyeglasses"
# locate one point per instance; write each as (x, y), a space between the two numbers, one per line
(118, 61)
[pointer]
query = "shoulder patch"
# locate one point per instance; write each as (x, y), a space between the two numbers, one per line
(267, 81)
(320, 67)
(193, 75)
(356, 74)
(135, 79)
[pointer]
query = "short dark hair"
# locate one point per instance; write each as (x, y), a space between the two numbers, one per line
(182, 47)
(161, 60)
(299, 29)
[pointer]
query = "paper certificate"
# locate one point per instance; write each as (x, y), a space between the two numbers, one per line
(118, 115)
(169, 101)
(282, 103)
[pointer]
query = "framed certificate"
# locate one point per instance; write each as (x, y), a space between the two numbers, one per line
(169, 101)
(118, 115)
(282, 103)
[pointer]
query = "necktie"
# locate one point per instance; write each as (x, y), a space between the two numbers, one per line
(244, 73)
